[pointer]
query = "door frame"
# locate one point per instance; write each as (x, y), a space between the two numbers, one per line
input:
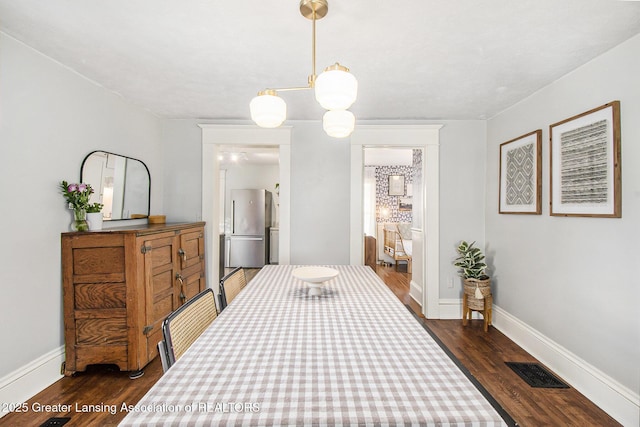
(215, 135)
(427, 138)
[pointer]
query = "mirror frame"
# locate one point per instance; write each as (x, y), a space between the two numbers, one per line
(128, 158)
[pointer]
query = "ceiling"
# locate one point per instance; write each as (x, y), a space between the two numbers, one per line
(414, 59)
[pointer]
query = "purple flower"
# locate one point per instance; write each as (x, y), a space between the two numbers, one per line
(76, 194)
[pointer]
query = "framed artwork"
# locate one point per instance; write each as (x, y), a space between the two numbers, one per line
(585, 164)
(405, 204)
(396, 185)
(521, 175)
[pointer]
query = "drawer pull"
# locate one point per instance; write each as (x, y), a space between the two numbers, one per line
(180, 279)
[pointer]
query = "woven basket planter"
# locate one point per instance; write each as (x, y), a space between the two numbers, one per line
(470, 286)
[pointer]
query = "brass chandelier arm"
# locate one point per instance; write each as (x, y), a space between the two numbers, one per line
(309, 9)
(289, 89)
(274, 91)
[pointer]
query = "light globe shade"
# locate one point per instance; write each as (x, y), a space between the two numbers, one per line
(338, 123)
(336, 88)
(268, 110)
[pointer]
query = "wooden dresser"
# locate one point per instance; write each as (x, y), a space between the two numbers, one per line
(120, 284)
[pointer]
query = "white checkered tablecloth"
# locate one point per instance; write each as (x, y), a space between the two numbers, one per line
(275, 356)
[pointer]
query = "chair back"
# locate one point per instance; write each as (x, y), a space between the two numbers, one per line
(231, 285)
(164, 357)
(183, 326)
(402, 232)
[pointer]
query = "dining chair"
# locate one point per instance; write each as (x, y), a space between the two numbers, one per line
(164, 358)
(231, 285)
(184, 325)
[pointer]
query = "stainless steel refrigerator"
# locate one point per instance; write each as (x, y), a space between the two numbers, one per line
(248, 243)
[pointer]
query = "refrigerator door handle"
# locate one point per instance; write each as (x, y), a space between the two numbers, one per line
(233, 216)
(245, 238)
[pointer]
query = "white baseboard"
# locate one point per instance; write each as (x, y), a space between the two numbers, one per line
(615, 399)
(452, 309)
(415, 291)
(28, 380)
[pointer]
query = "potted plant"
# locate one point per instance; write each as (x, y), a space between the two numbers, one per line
(77, 197)
(477, 284)
(94, 216)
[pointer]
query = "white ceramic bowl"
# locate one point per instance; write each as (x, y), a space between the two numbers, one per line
(314, 274)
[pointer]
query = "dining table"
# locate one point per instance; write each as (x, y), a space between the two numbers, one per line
(280, 355)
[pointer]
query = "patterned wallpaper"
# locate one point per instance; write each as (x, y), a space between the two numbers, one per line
(417, 183)
(386, 203)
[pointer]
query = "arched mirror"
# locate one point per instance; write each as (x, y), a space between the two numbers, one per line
(122, 184)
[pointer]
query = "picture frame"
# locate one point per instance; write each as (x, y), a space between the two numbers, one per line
(396, 185)
(585, 166)
(405, 204)
(520, 183)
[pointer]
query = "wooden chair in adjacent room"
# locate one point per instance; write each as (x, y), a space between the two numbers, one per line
(231, 285)
(183, 326)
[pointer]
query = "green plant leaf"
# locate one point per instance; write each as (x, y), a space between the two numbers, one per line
(470, 260)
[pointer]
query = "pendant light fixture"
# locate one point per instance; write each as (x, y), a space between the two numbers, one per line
(338, 123)
(268, 110)
(335, 89)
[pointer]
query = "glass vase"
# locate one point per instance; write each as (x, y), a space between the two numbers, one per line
(79, 222)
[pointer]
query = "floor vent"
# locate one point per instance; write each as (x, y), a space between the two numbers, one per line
(55, 422)
(536, 375)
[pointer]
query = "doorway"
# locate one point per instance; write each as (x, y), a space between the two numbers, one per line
(246, 169)
(392, 190)
(213, 138)
(425, 137)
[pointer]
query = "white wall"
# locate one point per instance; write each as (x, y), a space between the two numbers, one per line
(320, 194)
(50, 119)
(574, 280)
(462, 195)
(182, 180)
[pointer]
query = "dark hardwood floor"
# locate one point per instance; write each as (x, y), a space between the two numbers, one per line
(482, 354)
(102, 385)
